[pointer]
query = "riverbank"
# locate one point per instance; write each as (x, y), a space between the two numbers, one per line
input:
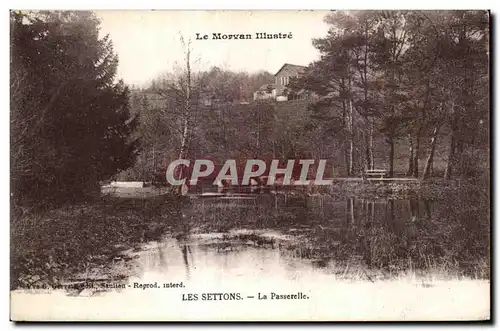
(429, 189)
(83, 240)
(340, 188)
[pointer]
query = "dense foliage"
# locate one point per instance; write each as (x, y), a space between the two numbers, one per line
(410, 74)
(70, 120)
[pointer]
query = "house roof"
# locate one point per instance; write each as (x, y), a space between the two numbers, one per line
(294, 66)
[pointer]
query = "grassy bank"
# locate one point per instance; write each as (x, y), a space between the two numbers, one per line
(431, 189)
(82, 241)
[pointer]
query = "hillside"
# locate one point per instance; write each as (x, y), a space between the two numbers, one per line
(265, 129)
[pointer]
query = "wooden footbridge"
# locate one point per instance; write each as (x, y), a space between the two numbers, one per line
(206, 189)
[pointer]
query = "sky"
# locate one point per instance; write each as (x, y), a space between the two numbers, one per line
(148, 42)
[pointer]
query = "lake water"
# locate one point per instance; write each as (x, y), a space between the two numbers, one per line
(348, 259)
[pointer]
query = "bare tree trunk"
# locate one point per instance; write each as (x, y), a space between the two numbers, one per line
(144, 162)
(351, 138)
(410, 157)
(353, 218)
(347, 154)
(416, 167)
(347, 212)
(416, 154)
(372, 219)
(367, 151)
(430, 158)
(351, 163)
(364, 75)
(391, 156)
(186, 112)
(349, 216)
(431, 168)
(370, 146)
(346, 160)
(428, 210)
(154, 166)
(184, 140)
(184, 147)
(351, 122)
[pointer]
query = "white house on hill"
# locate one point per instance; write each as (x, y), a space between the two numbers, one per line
(282, 78)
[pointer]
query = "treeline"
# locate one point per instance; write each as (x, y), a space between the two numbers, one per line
(386, 80)
(221, 85)
(260, 130)
(412, 74)
(70, 121)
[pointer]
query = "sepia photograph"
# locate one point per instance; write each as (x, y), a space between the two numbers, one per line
(250, 165)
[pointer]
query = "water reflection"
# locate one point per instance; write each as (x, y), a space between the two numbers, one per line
(352, 238)
(386, 235)
(205, 257)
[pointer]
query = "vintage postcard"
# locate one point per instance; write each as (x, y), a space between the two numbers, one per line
(250, 165)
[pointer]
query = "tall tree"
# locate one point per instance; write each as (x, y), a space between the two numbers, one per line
(391, 44)
(344, 80)
(466, 48)
(181, 93)
(71, 124)
(446, 64)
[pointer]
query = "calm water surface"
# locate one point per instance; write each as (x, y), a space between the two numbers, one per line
(273, 237)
